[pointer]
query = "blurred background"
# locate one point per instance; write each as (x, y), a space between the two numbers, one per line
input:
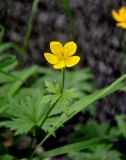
(90, 24)
(87, 22)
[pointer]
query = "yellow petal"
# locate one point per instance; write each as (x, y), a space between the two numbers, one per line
(56, 48)
(116, 16)
(51, 58)
(72, 61)
(122, 25)
(122, 10)
(59, 65)
(69, 49)
(122, 13)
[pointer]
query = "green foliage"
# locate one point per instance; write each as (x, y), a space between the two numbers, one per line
(27, 106)
(11, 81)
(7, 62)
(6, 157)
(54, 93)
(81, 82)
(26, 113)
(74, 147)
(52, 88)
(95, 130)
(121, 122)
(97, 143)
(10, 84)
(100, 151)
(120, 129)
(101, 154)
(85, 131)
(5, 46)
(85, 102)
(65, 99)
(81, 79)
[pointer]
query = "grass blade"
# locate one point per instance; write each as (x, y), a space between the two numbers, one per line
(74, 147)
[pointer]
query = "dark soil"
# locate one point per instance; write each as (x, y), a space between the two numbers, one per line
(90, 25)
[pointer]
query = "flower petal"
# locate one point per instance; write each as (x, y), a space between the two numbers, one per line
(72, 61)
(69, 49)
(122, 11)
(116, 16)
(56, 48)
(59, 65)
(122, 25)
(51, 58)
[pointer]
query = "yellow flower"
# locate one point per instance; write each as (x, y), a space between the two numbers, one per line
(62, 55)
(120, 17)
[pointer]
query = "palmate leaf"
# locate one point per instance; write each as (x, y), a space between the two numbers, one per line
(85, 102)
(62, 102)
(81, 79)
(20, 126)
(52, 88)
(77, 107)
(54, 93)
(30, 111)
(26, 113)
(68, 97)
(65, 98)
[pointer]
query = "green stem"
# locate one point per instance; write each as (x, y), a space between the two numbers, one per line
(47, 114)
(43, 140)
(68, 10)
(63, 79)
(49, 111)
(122, 53)
(30, 25)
